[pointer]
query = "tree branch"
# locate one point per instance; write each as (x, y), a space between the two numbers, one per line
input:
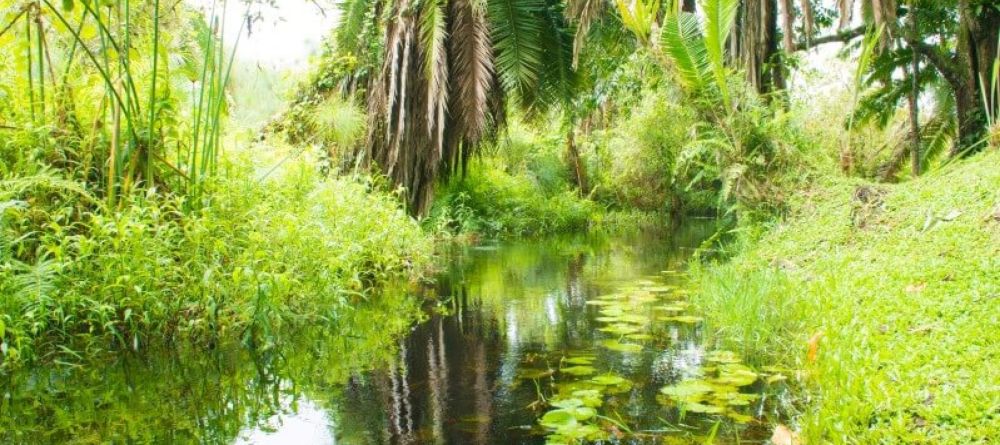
(939, 60)
(841, 36)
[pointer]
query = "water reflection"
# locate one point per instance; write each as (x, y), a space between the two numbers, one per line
(456, 377)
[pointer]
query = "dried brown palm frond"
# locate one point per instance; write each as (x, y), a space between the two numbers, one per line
(582, 13)
(472, 76)
(431, 103)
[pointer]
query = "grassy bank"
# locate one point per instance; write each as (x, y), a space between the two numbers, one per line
(897, 287)
(255, 257)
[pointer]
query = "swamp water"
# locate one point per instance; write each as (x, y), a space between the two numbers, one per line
(568, 340)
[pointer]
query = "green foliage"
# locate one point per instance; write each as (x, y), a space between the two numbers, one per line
(683, 42)
(258, 258)
(900, 280)
(130, 96)
(494, 202)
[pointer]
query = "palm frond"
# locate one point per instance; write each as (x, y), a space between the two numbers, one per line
(35, 281)
(719, 18)
(516, 27)
(558, 77)
(433, 32)
(639, 16)
(682, 41)
(471, 70)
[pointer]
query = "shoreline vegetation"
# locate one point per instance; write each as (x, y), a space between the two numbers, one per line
(881, 298)
(859, 255)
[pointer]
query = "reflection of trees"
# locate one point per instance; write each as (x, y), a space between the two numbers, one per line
(194, 396)
(452, 380)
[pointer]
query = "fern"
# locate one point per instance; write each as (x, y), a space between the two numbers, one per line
(35, 282)
(12, 188)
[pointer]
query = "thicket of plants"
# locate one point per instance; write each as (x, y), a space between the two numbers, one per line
(123, 222)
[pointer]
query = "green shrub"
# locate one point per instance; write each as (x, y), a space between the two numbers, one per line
(493, 202)
(256, 258)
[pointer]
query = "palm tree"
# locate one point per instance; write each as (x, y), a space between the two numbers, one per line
(446, 69)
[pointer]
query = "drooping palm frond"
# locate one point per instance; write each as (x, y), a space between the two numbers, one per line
(433, 32)
(517, 29)
(936, 137)
(472, 70)
(35, 281)
(682, 41)
(558, 77)
(719, 18)
(582, 13)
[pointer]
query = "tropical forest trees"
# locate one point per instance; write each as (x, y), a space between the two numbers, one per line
(438, 77)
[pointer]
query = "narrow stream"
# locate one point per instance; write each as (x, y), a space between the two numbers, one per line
(585, 339)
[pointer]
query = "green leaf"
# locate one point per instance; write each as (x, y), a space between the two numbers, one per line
(719, 18)
(683, 43)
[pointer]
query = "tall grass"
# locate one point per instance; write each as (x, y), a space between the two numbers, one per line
(108, 90)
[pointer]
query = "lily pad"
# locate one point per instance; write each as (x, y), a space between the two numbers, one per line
(581, 360)
(633, 318)
(536, 373)
(639, 337)
(687, 319)
(589, 397)
(658, 289)
(723, 357)
(687, 388)
(616, 345)
(736, 374)
(609, 380)
(579, 370)
(557, 419)
(696, 407)
(620, 329)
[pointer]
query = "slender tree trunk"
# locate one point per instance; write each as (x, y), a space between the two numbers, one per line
(788, 25)
(575, 163)
(914, 95)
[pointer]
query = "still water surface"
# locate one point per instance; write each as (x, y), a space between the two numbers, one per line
(590, 327)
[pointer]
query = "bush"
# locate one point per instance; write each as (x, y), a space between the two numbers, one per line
(493, 202)
(258, 257)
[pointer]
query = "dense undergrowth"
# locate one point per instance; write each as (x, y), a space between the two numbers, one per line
(260, 256)
(895, 290)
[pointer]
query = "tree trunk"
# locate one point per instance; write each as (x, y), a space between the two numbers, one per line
(688, 6)
(914, 96)
(579, 172)
(788, 25)
(976, 52)
(755, 45)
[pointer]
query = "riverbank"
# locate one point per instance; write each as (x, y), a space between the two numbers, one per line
(254, 257)
(886, 298)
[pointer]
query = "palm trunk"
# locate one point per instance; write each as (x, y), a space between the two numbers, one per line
(575, 163)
